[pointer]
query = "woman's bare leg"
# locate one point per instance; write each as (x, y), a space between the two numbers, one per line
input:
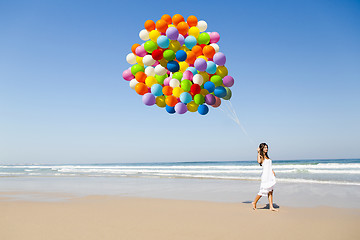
(255, 201)
(270, 195)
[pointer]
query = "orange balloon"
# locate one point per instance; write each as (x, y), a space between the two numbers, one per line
(141, 88)
(197, 50)
(167, 90)
(177, 18)
(140, 76)
(161, 25)
(167, 18)
(133, 47)
(183, 28)
(191, 57)
(171, 101)
(208, 51)
(149, 25)
(192, 21)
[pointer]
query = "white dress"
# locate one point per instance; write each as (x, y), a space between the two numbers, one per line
(268, 180)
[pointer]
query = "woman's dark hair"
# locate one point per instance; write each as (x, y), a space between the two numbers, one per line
(262, 154)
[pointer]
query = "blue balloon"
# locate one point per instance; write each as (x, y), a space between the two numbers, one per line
(173, 66)
(170, 110)
(181, 56)
(190, 42)
(185, 97)
(210, 86)
(156, 89)
(220, 91)
(193, 70)
(203, 109)
(163, 41)
(211, 67)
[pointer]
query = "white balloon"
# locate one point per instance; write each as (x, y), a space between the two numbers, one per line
(198, 79)
(202, 25)
(150, 71)
(160, 70)
(133, 83)
(131, 58)
(174, 83)
(215, 46)
(144, 35)
(148, 60)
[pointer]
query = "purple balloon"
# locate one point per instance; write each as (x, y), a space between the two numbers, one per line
(188, 75)
(180, 108)
(127, 75)
(181, 39)
(219, 58)
(167, 81)
(214, 37)
(172, 33)
(210, 99)
(148, 99)
(200, 64)
(140, 51)
(228, 81)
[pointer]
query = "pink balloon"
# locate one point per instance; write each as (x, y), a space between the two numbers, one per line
(140, 51)
(167, 81)
(214, 37)
(127, 75)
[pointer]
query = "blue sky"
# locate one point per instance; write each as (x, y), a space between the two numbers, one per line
(296, 66)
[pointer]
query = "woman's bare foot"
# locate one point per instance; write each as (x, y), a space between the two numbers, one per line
(273, 209)
(254, 205)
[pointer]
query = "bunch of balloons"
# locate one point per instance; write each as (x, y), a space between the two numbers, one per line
(179, 66)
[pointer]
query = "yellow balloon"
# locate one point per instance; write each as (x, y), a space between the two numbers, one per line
(174, 45)
(205, 76)
(177, 91)
(192, 106)
(154, 34)
(204, 92)
(183, 66)
(184, 48)
(194, 31)
(149, 81)
(139, 60)
(160, 101)
(221, 71)
(203, 57)
(171, 25)
(163, 62)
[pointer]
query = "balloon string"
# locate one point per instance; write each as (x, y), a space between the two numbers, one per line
(231, 113)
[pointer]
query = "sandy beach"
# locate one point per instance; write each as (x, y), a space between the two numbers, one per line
(113, 217)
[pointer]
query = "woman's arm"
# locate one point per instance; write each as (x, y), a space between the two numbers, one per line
(259, 157)
(273, 172)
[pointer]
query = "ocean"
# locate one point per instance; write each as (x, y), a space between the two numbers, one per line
(324, 171)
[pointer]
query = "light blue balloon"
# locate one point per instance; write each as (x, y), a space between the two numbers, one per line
(211, 67)
(193, 70)
(185, 97)
(190, 42)
(163, 41)
(156, 89)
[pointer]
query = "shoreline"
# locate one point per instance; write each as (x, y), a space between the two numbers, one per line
(118, 217)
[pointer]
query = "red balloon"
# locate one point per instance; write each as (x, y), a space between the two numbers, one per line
(157, 54)
(195, 88)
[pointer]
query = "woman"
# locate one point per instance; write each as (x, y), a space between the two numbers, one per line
(267, 177)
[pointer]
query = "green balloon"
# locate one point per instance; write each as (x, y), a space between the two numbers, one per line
(150, 46)
(228, 94)
(186, 85)
(137, 68)
(199, 99)
(204, 38)
(177, 75)
(169, 55)
(217, 80)
(161, 79)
